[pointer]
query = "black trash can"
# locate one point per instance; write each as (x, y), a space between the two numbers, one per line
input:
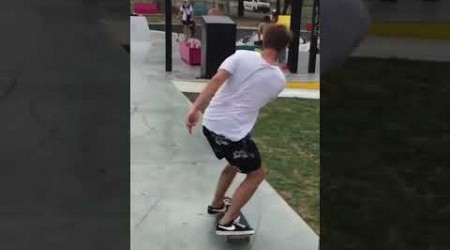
(218, 43)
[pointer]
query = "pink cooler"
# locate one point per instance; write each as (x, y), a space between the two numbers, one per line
(190, 52)
(145, 8)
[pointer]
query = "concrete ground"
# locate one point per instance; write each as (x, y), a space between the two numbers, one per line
(173, 174)
(406, 48)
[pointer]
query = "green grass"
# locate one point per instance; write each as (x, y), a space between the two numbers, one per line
(384, 135)
(287, 135)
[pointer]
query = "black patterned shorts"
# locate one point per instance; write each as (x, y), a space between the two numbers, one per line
(243, 154)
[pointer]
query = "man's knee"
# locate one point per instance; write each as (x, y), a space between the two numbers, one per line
(265, 171)
(262, 174)
(230, 169)
(258, 175)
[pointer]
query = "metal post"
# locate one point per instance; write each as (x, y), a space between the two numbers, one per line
(296, 15)
(278, 7)
(240, 8)
(314, 36)
(168, 35)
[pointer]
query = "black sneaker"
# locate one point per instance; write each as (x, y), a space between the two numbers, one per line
(234, 228)
(214, 210)
(223, 209)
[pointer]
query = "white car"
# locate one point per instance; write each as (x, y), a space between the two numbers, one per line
(257, 5)
(248, 40)
(304, 45)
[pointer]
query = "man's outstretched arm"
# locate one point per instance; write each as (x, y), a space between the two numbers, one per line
(205, 96)
(210, 90)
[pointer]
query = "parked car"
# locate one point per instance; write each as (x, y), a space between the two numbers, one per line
(257, 5)
(249, 42)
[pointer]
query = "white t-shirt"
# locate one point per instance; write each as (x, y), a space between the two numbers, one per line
(186, 10)
(253, 83)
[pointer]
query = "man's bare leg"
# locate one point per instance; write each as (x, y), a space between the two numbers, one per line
(243, 195)
(225, 180)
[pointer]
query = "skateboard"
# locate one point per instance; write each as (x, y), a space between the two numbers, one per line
(242, 220)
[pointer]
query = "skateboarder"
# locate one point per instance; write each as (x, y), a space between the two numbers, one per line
(245, 82)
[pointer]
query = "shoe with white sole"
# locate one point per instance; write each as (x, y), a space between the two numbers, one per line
(223, 209)
(234, 228)
(215, 210)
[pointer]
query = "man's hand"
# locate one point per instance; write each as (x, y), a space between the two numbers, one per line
(192, 118)
(208, 92)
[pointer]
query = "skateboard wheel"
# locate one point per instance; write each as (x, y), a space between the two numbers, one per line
(238, 238)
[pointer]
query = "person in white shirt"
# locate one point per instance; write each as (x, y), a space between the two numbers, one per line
(187, 19)
(244, 83)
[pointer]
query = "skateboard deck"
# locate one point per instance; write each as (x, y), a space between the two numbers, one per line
(242, 220)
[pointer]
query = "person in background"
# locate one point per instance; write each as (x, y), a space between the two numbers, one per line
(261, 27)
(187, 19)
(274, 16)
(216, 11)
(287, 4)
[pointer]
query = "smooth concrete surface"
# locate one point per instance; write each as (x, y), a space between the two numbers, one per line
(406, 48)
(142, 36)
(308, 77)
(173, 174)
(303, 64)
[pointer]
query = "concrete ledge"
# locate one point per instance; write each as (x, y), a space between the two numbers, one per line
(302, 92)
(429, 30)
(313, 85)
(406, 48)
(292, 84)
